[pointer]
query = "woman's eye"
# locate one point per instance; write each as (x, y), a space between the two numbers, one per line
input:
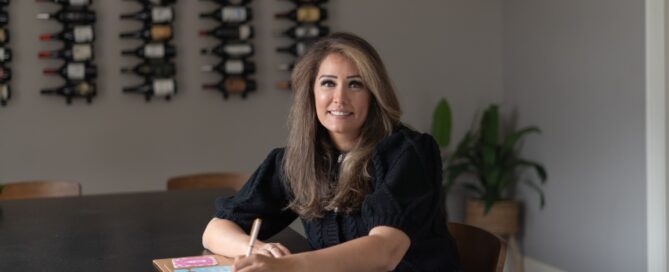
(355, 84)
(327, 83)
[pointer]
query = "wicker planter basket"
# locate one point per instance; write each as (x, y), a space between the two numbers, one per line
(502, 219)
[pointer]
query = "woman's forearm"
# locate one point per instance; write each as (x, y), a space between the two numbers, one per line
(381, 250)
(226, 238)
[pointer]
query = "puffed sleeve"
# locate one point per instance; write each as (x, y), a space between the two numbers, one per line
(407, 189)
(263, 196)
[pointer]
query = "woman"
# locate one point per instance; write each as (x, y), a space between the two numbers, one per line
(368, 189)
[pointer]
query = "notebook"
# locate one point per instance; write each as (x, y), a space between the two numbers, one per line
(205, 263)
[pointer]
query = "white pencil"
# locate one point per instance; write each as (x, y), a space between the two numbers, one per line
(254, 235)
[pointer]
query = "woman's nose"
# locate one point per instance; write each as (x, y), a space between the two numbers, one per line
(339, 95)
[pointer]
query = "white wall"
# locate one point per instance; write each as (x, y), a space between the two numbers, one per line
(576, 69)
(120, 144)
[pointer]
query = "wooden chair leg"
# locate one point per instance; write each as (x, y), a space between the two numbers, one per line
(517, 257)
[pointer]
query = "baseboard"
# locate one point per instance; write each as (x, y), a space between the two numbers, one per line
(533, 265)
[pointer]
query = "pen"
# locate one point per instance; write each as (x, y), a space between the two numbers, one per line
(254, 235)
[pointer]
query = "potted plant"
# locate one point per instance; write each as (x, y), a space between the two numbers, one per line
(494, 163)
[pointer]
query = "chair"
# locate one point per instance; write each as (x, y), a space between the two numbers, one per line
(478, 249)
(228, 180)
(39, 189)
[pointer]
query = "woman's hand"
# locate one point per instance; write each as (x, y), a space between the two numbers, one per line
(262, 263)
(271, 250)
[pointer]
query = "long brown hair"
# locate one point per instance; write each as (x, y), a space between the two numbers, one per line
(309, 151)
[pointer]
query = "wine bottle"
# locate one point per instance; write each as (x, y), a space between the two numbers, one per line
(305, 14)
(72, 90)
(301, 32)
(73, 34)
(5, 74)
(76, 52)
(5, 94)
(4, 18)
(74, 71)
(232, 67)
(153, 33)
(229, 2)
(68, 16)
(4, 35)
(72, 3)
(230, 14)
(233, 85)
(157, 14)
(296, 49)
(236, 50)
(154, 2)
(314, 2)
(152, 51)
(282, 85)
(286, 66)
(164, 87)
(5, 54)
(225, 32)
(160, 69)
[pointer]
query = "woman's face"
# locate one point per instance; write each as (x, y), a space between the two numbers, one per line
(342, 100)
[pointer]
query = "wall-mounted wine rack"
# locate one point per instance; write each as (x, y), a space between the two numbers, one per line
(308, 18)
(235, 49)
(5, 55)
(77, 37)
(156, 53)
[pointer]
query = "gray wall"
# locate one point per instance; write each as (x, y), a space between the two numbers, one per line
(121, 144)
(576, 69)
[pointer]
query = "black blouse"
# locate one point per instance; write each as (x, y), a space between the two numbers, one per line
(406, 179)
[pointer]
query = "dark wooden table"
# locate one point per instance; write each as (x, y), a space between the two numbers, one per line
(120, 232)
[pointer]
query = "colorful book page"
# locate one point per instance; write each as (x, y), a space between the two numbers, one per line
(194, 261)
(225, 268)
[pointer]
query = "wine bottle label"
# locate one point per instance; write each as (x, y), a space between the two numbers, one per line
(4, 92)
(76, 71)
(161, 14)
(3, 54)
(308, 31)
(300, 48)
(235, 85)
(80, 2)
(83, 33)
(161, 32)
(154, 50)
(238, 49)
(3, 35)
(233, 14)
(162, 87)
(234, 67)
(82, 52)
(308, 14)
(83, 88)
(244, 32)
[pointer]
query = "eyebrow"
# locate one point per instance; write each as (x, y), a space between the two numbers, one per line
(332, 76)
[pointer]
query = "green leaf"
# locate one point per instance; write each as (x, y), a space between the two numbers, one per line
(490, 126)
(541, 171)
(442, 122)
(489, 157)
(542, 199)
(454, 171)
(488, 202)
(512, 139)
